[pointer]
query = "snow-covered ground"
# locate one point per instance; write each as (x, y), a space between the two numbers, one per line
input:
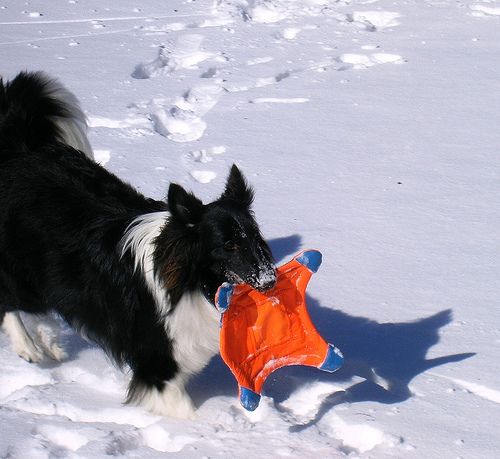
(370, 130)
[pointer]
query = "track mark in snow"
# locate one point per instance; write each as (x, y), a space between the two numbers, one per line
(203, 176)
(358, 438)
(79, 405)
(264, 13)
(182, 122)
(72, 391)
(178, 125)
(209, 73)
(206, 155)
(477, 389)
(375, 20)
(271, 12)
(259, 82)
(203, 156)
(136, 122)
(482, 10)
(264, 413)
(159, 439)
(178, 26)
(13, 380)
(260, 60)
(290, 33)
(92, 20)
(362, 61)
(121, 444)
(185, 53)
(105, 380)
(305, 403)
(65, 438)
(274, 100)
(71, 38)
(133, 126)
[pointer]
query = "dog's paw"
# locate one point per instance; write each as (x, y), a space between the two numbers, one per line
(56, 352)
(172, 401)
(28, 350)
(22, 343)
(47, 338)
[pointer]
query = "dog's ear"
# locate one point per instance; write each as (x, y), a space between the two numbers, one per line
(237, 188)
(184, 207)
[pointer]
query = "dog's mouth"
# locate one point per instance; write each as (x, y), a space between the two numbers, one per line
(262, 281)
(266, 281)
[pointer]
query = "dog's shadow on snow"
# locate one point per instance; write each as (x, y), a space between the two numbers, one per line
(387, 356)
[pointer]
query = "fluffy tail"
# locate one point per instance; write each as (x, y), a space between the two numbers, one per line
(36, 110)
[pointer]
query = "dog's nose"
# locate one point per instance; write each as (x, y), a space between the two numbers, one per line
(267, 280)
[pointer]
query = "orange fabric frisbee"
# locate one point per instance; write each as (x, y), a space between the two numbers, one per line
(261, 332)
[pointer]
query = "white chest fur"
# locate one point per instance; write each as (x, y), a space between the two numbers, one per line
(194, 328)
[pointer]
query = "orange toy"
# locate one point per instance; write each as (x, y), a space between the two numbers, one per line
(261, 332)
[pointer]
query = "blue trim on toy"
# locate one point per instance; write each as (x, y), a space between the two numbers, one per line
(311, 259)
(224, 295)
(249, 399)
(333, 361)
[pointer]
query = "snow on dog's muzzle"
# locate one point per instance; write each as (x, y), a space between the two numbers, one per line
(266, 280)
(262, 280)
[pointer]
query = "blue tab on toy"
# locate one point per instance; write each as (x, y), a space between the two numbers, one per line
(311, 259)
(223, 297)
(249, 399)
(333, 361)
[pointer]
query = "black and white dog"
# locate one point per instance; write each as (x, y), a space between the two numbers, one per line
(136, 275)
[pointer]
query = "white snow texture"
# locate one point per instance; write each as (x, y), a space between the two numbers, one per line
(370, 131)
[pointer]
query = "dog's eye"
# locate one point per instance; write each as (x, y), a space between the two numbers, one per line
(230, 245)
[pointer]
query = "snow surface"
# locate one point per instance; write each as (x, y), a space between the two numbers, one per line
(370, 131)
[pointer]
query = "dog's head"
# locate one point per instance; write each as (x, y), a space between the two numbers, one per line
(215, 243)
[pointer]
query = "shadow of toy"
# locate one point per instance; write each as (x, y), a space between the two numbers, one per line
(385, 356)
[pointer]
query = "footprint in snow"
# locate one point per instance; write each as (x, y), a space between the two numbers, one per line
(202, 157)
(185, 53)
(374, 20)
(362, 61)
(183, 122)
(71, 440)
(356, 438)
(206, 155)
(484, 10)
(303, 406)
(203, 176)
(157, 438)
